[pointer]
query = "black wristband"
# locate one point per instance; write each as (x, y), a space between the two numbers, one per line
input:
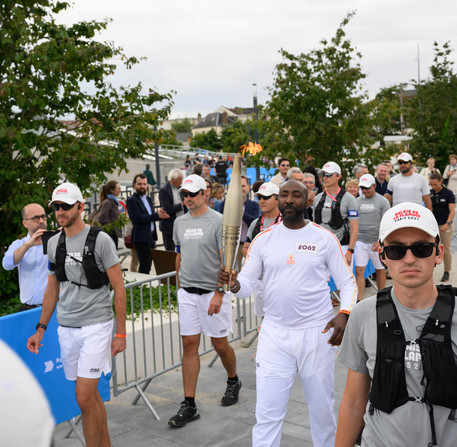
(351, 250)
(41, 325)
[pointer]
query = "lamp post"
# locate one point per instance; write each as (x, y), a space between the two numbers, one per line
(256, 132)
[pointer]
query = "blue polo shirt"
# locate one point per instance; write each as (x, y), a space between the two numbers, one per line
(440, 203)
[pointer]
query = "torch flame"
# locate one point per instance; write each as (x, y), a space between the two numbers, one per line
(252, 148)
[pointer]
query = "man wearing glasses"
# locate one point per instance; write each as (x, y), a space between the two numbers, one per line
(204, 307)
(401, 395)
(27, 255)
(78, 285)
(372, 207)
(281, 176)
(409, 186)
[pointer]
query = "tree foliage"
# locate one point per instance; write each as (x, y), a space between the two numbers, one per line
(182, 126)
(433, 111)
(50, 72)
(208, 140)
(317, 109)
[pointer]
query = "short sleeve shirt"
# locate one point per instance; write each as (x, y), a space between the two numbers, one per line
(370, 214)
(440, 203)
(410, 188)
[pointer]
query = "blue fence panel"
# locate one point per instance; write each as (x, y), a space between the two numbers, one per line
(46, 366)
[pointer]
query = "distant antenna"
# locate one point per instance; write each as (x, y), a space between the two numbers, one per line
(418, 66)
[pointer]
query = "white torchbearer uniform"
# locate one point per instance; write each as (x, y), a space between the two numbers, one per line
(297, 307)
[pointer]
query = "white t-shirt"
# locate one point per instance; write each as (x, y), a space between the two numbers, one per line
(295, 264)
(410, 188)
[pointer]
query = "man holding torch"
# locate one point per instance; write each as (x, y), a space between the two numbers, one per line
(299, 331)
(203, 306)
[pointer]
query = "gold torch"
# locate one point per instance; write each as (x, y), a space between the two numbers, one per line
(233, 212)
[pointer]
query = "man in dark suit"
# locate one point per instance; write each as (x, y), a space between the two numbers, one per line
(172, 203)
(251, 211)
(142, 215)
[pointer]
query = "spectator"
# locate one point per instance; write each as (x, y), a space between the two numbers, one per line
(381, 179)
(151, 181)
(359, 170)
(443, 204)
(317, 183)
(27, 255)
(217, 196)
(187, 162)
(281, 176)
(142, 215)
(255, 187)
(198, 169)
(430, 169)
(408, 186)
(221, 170)
(295, 173)
(172, 203)
(109, 208)
(251, 211)
(310, 182)
(372, 206)
(450, 174)
(352, 187)
(206, 173)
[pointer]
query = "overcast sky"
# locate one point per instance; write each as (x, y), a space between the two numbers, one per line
(211, 52)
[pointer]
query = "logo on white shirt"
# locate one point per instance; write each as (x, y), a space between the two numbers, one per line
(304, 247)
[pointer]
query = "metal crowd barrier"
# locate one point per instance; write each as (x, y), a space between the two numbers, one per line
(153, 340)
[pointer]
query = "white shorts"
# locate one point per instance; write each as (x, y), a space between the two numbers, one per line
(363, 253)
(85, 351)
(194, 318)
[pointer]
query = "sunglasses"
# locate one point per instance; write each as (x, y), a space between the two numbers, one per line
(190, 194)
(64, 206)
(401, 162)
(329, 174)
(364, 188)
(37, 219)
(264, 197)
(420, 250)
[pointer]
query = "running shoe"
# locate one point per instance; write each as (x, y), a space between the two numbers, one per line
(445, 277)
(231, 394)
(185, 414)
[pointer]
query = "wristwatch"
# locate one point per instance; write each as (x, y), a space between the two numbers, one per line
(448, 223)
(351, 250)
(41, 325)
(220, 289)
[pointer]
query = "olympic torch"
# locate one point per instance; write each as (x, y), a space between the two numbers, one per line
(233, 211)
(231, 220)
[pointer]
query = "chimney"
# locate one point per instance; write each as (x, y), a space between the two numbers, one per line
(224, 118)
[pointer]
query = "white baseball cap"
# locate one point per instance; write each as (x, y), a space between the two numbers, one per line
(267, 189)
(331, 167)
(367, 180)
(193, 183)
(67, 193)
(405, 157)
(408, 215)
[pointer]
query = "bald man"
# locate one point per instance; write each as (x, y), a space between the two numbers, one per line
(27, 255)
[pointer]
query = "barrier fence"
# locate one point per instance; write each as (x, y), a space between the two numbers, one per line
(153, 338)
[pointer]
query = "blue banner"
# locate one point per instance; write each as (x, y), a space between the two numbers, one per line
(47, 367)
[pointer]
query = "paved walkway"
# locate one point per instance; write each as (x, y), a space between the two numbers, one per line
(134, 426)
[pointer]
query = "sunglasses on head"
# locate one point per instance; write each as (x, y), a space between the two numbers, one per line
(419, 250)
(64, 206)
(190, 194)
(401, 162)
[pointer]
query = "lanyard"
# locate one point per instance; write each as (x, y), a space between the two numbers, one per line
(333, 198)
(278, 219)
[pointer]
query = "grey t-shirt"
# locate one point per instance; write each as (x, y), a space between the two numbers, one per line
(409, 424)
(200, 242)
(408, 188)
(348, 210)
(370, 214)
(266, 224)
(78, 305)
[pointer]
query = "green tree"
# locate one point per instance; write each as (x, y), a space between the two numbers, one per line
(182, 126)
(208, 140)
(433, 111)
(235, 136)
(317, 109)
(50, 72)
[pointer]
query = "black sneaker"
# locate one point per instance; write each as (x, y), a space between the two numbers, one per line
(185, 414)
(231, 394)
(445, 277)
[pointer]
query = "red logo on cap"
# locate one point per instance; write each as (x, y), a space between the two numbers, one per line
(400, 215)
(62, 190)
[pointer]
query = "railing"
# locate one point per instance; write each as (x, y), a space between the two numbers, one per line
(153, 338)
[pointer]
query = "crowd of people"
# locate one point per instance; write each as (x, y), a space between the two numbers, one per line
(299, 229)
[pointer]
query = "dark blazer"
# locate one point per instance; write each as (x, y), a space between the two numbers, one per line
(166, 202)
(251, 211)
(141, 219)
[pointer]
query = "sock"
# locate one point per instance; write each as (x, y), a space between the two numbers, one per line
(191, 401)
(232, 380)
